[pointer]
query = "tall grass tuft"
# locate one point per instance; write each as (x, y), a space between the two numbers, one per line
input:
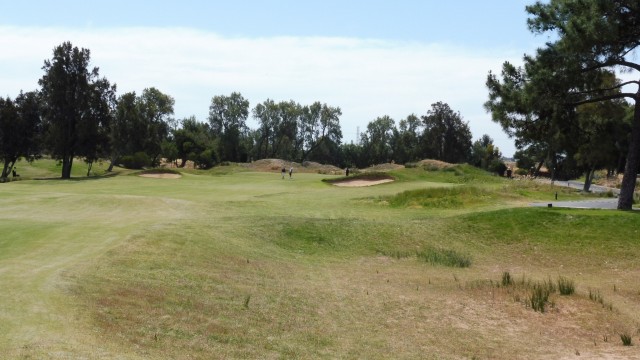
(594, 295)
(566, 286)
(445, 257)
(506, 279)
(396, 254)
(539, 297)
(626, 339)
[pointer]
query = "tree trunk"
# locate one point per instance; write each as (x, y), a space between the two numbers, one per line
(6, 170)
(89, 166)
(67, 162)
(627, 188)
(313, 147)
(589, 179)
(114, 157)
(537, 171)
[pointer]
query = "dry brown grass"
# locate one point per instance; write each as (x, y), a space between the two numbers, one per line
(436, 164)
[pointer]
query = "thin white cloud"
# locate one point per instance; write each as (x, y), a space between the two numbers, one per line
(365, 78)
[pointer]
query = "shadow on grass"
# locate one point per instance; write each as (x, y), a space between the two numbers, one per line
(82, 178)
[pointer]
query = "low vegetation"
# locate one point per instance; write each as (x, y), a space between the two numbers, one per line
(159, 171)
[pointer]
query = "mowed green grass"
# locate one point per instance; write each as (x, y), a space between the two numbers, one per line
(237, 264)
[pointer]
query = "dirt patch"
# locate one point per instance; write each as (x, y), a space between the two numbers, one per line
(361, 182)
(436, 164)
(161, 176)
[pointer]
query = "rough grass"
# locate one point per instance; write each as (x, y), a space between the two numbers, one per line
(246, 265)
(442, 197)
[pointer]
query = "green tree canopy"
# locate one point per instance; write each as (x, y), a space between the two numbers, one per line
(71, 94)
(20, 130)
(593, 35)
(228, 120)
(446, 136)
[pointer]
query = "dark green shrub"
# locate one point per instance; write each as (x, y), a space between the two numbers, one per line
(206, 159)
(497, 166)
(138, 160)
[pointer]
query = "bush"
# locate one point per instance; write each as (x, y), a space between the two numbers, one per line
(138, 160)
(497, 166)
(206, 159)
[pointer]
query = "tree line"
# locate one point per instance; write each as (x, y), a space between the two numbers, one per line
(565, 106)
(76, 114)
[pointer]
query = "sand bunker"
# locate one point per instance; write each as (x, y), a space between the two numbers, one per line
(360, 183)
(161, 176)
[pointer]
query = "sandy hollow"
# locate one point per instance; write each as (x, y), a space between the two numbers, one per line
(360, 183)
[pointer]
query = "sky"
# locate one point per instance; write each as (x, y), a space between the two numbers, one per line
(370, 58)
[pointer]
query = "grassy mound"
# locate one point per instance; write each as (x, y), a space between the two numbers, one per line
(442, 197)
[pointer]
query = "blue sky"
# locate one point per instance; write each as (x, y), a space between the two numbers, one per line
(370, 58)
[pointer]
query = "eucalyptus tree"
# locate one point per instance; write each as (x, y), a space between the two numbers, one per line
(377, 140)
(95, 144)
(286, 144)
(8, 131)
(124, 127)
(155, 109)
(278, 130)
(194, 141)
(446, 136)
(318, 127)
(69, 90)
(266, 113)
(486, 155)
(593, 35)
(406, 139)
(20, 130)
(228, 120)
